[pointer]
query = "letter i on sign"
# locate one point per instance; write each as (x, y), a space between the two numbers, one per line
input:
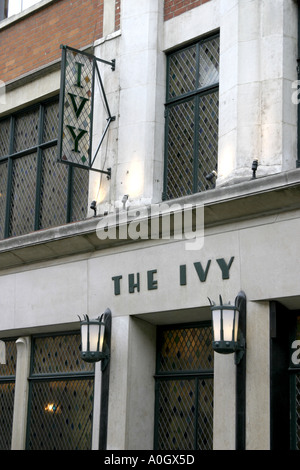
(79, 69)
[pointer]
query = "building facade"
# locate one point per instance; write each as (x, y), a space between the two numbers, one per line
(184, 188)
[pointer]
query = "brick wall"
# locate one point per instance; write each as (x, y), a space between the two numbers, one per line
(33, 42)
(118, 15)
(174, 8)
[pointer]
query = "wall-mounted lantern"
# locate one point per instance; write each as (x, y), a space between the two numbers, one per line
(95, 346)
(229, 333)
(228, 337)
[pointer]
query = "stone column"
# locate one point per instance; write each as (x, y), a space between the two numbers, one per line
(21, 394)
(258, 377)
(257, 69)
(132, 388)
(142, 95)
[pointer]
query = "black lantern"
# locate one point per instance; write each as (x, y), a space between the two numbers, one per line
(94, 344)
(228, 337)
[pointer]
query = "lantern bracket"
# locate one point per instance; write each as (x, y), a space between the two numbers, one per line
(240, 302)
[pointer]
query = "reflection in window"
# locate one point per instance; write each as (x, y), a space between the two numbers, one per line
(192, 126)
(61, 395)
(16, 6)
(184, 388)
(36, 191)
(7, 394)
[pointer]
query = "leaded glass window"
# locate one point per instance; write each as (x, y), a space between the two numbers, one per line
(184, 388)
(294, 371)
(36, 191)
(61, 395)
(192, 109)
(7, 394)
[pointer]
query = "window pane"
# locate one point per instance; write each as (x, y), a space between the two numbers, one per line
(54, 190)
(184, 403)
(192, 126)
(3, 189)
(185, 420)
(61, 415)
(176, 423)
(9, 369)
(187, 349)
(26, 130)
(22, 215)
(7, 393)
(182, 72)
(4, 137)
(29, 3)
(208, 137)
(16, 6)
(180, 149)
(58, 354)
(209, 62)
(80, 194)
(61, 407)
(205, 414)
(51, 119)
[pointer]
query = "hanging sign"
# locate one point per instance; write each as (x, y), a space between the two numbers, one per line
(79, 74)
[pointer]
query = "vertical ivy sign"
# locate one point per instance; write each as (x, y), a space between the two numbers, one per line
(78, 72)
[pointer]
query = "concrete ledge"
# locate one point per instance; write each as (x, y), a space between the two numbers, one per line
(251, 199)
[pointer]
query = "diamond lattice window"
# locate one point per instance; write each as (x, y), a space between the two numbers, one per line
(191, 118)
(36, 191)
(7, 394)
(184, 389)
(61, 395)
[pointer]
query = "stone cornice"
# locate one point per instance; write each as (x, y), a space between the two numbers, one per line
(251, 199)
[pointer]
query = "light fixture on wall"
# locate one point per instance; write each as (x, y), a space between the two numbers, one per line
(124, 200)
(95, 338)
(93, 206)
(212, 178)
(254, 168)
(228, 335)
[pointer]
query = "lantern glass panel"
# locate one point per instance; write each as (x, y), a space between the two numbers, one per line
(228, 319)
(84, 337)
(94, 337)
(216, 314)
(236, 326)
(102, 329)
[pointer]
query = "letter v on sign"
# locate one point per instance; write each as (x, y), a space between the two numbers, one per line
(77, 109)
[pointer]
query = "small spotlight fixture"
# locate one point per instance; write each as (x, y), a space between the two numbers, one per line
(254, 168)
(93, 206)
(124, 200)
(212, 177)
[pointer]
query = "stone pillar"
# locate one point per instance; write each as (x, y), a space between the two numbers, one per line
(224, 402)
(257, 69)
(142, 96)
(258, 377)
(21, 394)
(132, 390)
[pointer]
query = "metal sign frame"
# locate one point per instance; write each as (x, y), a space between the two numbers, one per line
(87, 161)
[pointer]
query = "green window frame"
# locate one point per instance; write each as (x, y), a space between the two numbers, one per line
(61, 394)
(36, 191)
(191, 117)
(184, 388)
